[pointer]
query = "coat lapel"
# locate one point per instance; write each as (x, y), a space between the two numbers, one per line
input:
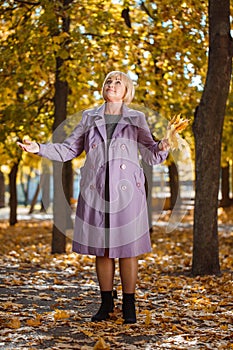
(127, 118)
(100, 122)
(124, 121)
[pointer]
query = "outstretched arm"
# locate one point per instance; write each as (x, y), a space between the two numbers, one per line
(61, 152)
(29, 146)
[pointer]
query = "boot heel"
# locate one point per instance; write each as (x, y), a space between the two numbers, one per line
(106, 307)
(128, 308)
(114, 294)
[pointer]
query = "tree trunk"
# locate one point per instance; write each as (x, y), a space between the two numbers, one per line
(59, 202)
(67, 176)
(45, 185)
(148, 171)
(2, 190)
(208, 123)
(13, 194)
(61, 209)
(25, 187)
(225, 186)
(174, 183)
(34, 199)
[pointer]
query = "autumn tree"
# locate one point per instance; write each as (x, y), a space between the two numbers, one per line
(171, 43)
(23, 95)
(2, 190)
(207, 128)
(57, 54)
(61, 214)
(56, 69)
(227, 155)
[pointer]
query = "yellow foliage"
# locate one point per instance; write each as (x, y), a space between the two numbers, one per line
(148, 318)
(61, 314)
(101, 345)
(170, 304)
(175, 126)
(34, 322)
(14, 323)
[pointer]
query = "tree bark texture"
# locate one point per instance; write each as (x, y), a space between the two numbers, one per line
(13, 194)
(45, 186)
(208, 123)
(34, 199)
(174, 183)
(2, 190)
(225, 186)
(59, 200)
(67, 178)
(148, 171)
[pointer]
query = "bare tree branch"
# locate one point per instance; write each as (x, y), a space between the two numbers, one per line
(126, 16)
(28, 2)
(144, 8)
(93, 34)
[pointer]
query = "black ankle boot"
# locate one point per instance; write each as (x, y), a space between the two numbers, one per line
(107, 306)
(128, 308)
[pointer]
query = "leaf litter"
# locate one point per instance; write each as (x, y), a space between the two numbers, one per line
(47, 300)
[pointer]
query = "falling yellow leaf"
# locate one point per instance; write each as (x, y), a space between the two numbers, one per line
(101, 345)
(60, 314)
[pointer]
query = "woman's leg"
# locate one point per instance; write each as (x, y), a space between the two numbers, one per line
(129, 274)
(105, 269)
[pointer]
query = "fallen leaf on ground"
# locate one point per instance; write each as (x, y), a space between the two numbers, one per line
(61, 314)
(101, 345)
(14, 323)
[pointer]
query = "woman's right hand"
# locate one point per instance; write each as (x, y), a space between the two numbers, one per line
(29, 146)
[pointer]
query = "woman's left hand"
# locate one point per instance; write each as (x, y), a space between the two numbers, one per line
(164, 145)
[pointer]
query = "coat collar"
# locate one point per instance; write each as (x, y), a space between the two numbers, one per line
(127, 118)
(126, 112)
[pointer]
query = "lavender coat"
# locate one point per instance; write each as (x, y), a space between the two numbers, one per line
(128, 232)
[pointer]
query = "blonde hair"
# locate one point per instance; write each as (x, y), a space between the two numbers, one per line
(129, 94)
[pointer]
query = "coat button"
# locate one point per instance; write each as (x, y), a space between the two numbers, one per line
(92, 187)
(138, 184)
(123, 146)
(93, 145)
(123, 166)
(123, 188)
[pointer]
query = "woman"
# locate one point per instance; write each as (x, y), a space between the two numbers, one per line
(111, 219)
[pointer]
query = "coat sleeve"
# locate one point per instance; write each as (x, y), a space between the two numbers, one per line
(148, 147)
(72, 147)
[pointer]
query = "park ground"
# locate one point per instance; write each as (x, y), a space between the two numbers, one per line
(46, 301)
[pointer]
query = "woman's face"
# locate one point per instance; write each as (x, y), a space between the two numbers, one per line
(114, 89)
